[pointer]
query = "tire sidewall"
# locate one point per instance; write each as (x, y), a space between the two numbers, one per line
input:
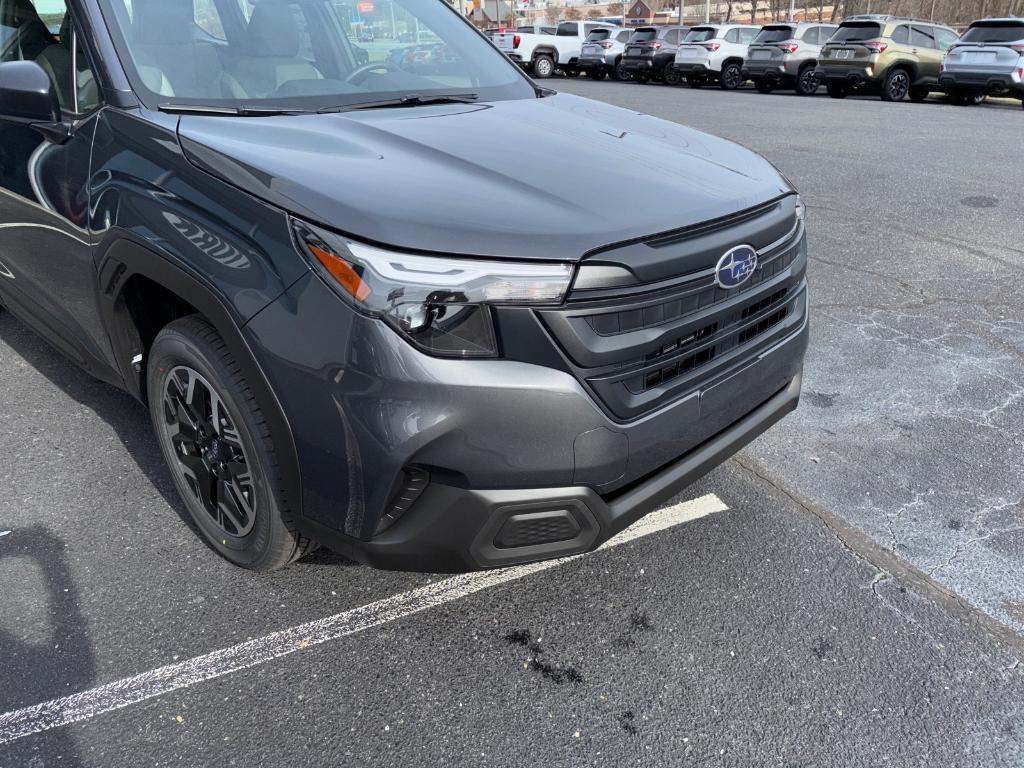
(170, 350)
(543, 67)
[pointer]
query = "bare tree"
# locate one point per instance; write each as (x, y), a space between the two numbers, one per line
(573, 13)
(552, 14)
(615, 9)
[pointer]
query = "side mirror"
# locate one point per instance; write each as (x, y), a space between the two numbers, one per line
(29, 97)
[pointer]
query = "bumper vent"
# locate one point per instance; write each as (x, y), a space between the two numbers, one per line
(411, 485)
(534, 528)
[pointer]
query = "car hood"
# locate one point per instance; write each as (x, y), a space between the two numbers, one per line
(550, 178)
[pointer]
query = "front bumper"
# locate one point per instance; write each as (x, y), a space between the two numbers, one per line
(457, 529)
(502, 440)
(1008, 83)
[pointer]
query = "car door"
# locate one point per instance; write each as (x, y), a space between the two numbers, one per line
(926, 51)
(46, 267)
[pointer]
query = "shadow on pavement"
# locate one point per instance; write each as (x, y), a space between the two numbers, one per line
(43, 639)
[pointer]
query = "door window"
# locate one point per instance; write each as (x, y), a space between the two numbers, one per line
(922, 37)
(946, 37)
(42, 31)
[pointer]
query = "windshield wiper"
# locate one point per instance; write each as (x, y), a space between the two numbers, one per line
(243, 111)
(411, 100)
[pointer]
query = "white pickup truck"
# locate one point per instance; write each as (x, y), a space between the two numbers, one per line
(541, 55)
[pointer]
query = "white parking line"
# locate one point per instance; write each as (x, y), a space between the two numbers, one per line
(132, 690)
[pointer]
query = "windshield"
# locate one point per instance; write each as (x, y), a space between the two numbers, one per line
(994, 33)
(773, 35)
(851, 33)
(700, 34)
(304, 54)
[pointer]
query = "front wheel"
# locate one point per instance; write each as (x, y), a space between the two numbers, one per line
(731, 77)
(764, 86)
(596, 74)
(837, 90)
(896, 85)
(807, 82)
(219, 448)
(671, 75)
(543, 67)
(917, 95)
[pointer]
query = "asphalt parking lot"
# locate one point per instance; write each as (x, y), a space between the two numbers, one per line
(851, 594)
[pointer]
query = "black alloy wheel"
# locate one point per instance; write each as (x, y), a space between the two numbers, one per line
(731, 77)
(807, 82)
(896, 85)
(210, 456)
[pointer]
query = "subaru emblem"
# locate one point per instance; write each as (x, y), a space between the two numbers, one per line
(736, 266)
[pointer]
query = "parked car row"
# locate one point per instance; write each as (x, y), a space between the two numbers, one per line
(898, 58)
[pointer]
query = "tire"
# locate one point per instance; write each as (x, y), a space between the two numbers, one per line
(571, 72)
(837, 90)
(621, 73)
(597, 74)
(695, 81)
(918, 95)
(671, 75)
(807, 81)
(231, 484)
(896, 85)
(764, 86)
(543, 67)
(642, 77)
(979, 98)
(731, 77)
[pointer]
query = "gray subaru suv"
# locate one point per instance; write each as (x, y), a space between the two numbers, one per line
(987, 59)
(601, 54)
(296, 262)
(786, 56)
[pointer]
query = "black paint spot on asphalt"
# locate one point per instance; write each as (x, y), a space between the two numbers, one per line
(956, 525)
(556, 673)
(821, 399)
(553, 671)
(822, 648)
(639, 621)
(626, 722)
(980, 201)
(524, 638)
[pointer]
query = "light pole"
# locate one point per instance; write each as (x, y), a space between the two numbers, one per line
(707, 10)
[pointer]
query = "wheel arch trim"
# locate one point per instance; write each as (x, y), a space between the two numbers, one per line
(125, 258)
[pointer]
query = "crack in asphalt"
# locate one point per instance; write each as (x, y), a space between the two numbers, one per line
(887, 564)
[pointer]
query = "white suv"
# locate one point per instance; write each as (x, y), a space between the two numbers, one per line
(712, 52)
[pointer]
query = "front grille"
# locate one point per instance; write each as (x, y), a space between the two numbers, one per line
(640, 351)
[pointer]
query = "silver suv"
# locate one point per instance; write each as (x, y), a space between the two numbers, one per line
(786, 55)
(602, 53)
(988, 58)
(712, 52)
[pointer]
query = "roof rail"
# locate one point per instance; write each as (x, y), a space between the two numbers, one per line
(887, 17)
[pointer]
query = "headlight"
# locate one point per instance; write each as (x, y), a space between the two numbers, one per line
(440, 304)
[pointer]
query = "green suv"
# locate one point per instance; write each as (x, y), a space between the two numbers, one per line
(890, 55)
